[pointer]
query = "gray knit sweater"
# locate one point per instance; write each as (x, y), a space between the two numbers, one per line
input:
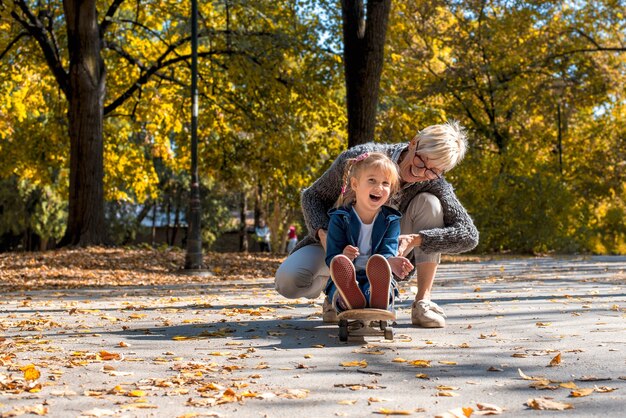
(458, 235)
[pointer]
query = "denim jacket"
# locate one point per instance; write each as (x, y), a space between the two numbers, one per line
(344, 228)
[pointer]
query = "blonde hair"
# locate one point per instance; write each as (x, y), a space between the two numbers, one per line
(355, 166)
(444, 144)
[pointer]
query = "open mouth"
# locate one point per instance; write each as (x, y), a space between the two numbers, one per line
(375, 198)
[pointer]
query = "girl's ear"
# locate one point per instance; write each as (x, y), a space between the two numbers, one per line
(353, 183)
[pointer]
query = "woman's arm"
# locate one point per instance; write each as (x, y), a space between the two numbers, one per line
(459, 233)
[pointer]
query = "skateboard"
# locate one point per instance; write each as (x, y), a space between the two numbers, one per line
(365, 322)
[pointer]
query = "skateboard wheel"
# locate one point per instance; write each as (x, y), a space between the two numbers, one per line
(343, 330)
(388, 333)
(383, 325)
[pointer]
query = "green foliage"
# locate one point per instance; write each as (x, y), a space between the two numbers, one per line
(26, 208)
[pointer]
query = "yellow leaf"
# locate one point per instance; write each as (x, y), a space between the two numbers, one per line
(422, 376)
(398, 360)
(136, 393)
(568, 385)
(347, 402)
(449, 363)
(31, 372)
(361, 363)
(106, 356)
(420, 363)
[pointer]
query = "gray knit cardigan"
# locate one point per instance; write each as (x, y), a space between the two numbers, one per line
(458, 235)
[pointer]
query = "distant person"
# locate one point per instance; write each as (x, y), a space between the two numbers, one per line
(263, 233)
(433, 220)
(362, 240)
(292, 239)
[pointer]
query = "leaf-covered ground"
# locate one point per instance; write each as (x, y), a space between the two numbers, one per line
(120, 332)
(123, 267)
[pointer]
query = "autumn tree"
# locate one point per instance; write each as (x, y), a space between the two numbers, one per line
(129, 62)
(538, 86)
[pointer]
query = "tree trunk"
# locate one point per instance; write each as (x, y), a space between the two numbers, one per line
(86, 221)
(243, 228)
(364, 41)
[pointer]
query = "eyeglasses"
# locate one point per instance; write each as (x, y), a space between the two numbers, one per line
(429, 173)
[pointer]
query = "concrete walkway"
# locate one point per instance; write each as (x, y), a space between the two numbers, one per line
(520, 332)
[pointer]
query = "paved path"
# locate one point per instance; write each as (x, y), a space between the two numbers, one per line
(238, 349)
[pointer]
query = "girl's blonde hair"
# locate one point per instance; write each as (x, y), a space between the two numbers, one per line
(355, 166)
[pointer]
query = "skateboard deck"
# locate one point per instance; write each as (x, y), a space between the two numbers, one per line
(366, 322)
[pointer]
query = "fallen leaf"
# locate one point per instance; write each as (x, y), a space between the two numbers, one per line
(420, 363)
(97, 412)
(136, 393)
(547, 404)
(461, 412)
(30, 372)
(384, 411)
(579, 393)
(488, 409)
(555, 361)
(361, 363)
(604, 389)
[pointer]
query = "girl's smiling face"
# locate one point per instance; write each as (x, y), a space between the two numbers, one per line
(372, 188)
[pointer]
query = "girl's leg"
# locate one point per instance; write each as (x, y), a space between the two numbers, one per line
(303, 274)
(343, 276)
(379, 276)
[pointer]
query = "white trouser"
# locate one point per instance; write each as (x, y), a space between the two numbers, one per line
(424, 212)
(305, 273)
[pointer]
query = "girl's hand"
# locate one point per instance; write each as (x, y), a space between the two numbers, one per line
(351, 252)
(400, 266)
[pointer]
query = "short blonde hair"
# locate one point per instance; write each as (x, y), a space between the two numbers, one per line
(355, 166)
(445, 145)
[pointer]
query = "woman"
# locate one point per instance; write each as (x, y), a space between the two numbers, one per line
(433, 219)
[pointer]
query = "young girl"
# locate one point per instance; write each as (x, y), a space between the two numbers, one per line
(363, 236)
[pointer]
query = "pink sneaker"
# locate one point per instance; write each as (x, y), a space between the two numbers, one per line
(379, 274)
(343, 275)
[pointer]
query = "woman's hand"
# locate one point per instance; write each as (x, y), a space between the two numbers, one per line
(351, 252)
(407, 242)
(400, 266)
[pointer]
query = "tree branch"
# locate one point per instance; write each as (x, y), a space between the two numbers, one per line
(35, 28)
(108, 17)
(13, 42)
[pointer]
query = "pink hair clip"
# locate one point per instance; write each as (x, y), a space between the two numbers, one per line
(362, 157)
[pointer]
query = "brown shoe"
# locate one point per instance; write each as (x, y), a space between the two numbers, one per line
(343, 275)
(379, 275)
